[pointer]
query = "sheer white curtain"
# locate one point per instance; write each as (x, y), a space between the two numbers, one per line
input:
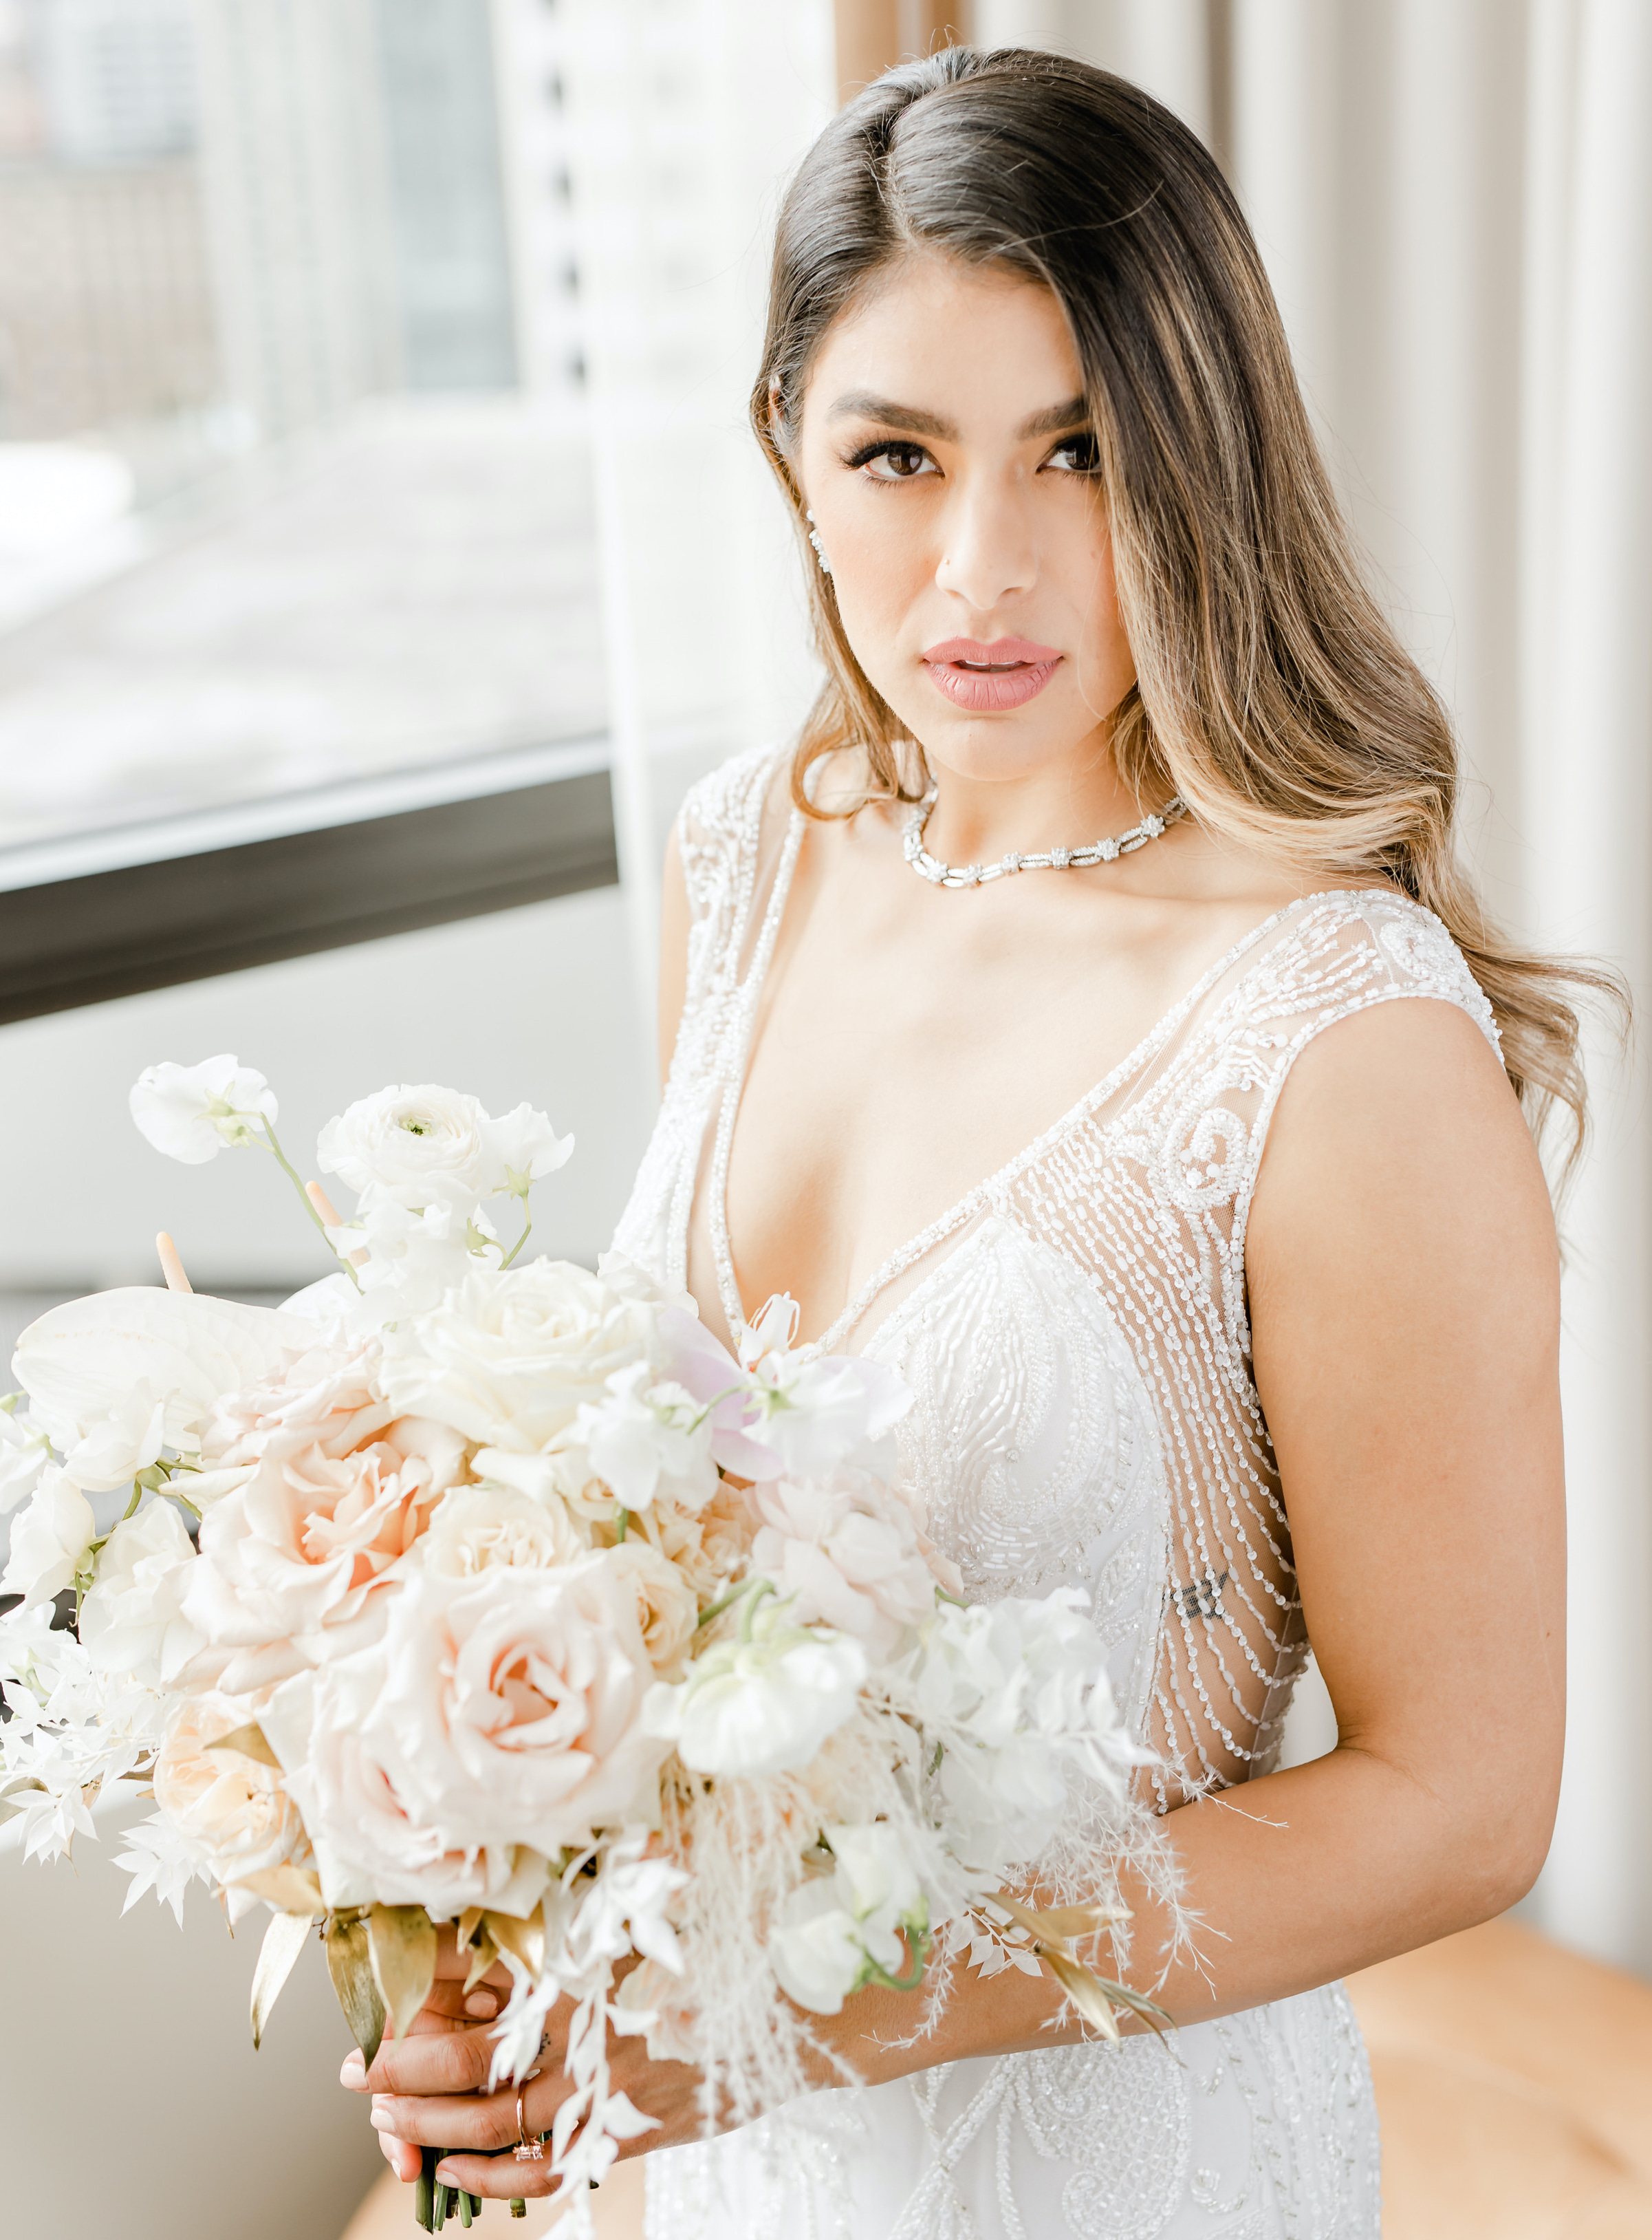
(1454, 199)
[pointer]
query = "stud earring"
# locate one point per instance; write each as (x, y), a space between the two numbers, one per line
(820, 553)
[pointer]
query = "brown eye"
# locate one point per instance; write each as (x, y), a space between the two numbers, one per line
(1077, 454)
(894, 463)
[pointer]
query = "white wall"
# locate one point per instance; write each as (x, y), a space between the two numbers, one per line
(536, 1003)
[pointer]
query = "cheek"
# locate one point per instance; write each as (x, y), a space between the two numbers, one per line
(880, 571)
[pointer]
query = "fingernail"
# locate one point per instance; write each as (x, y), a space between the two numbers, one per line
(381, 2118)
(353, 2068)
(484, 2004)
(448, 2174)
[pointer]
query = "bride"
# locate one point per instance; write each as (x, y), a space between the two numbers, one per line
(1089, 1018)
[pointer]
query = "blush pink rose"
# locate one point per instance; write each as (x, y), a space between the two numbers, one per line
(341, 1488)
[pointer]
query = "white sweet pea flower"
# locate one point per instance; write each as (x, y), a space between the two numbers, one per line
(416, 1146)
(131, 1620)
(815, 1950)
(813, 1412)
(51, 1540)
(128, 1440)
(643, 1437)
(847, 1550)
(763, 1701)
(522, 1147)
(192, 1112)
(833, 1936)
(24, 1452)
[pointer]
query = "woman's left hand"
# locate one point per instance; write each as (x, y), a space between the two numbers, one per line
(431, 2089)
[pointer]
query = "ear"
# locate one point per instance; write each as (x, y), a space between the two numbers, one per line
(777, 419)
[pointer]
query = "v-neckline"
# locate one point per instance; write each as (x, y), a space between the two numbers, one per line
(736, 1065)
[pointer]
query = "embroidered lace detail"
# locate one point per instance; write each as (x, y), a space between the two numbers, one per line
(1075, 1332)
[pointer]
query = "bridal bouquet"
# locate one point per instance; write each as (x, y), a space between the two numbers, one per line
(499, 1593)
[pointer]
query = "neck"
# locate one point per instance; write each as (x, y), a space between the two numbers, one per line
(978, 820)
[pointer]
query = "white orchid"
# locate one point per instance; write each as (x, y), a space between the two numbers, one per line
(51, 1540)
(763, 1701)
(192, 1112)
(644, 1436)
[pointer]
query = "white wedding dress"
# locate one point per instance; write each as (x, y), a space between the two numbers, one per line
(1076, 1333)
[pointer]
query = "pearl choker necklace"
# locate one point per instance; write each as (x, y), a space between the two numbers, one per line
(1058, 859)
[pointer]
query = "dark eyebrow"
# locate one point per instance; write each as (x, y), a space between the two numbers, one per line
(861, 404)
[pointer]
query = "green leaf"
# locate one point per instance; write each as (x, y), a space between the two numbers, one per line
(402, 1940)
(349, 1960)
(283, 1942)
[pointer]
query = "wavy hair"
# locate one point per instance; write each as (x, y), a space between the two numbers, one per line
(1272, 692)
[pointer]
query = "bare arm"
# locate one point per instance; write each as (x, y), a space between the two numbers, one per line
(1404, 1299)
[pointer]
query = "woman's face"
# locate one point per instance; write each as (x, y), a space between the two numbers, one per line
(945, 451)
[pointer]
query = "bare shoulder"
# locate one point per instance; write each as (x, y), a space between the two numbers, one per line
(1398, 1161)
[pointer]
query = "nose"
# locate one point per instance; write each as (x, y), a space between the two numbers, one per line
(988, 549)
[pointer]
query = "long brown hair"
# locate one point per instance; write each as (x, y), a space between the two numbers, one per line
(1272, 693)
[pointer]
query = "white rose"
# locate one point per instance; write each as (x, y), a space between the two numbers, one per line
(666, 1609)
(235, 1816)
(51, 1540)
(369, 1848)
(480, 1527)
(815, 1949)
(764, 1705)
(131, 1619)
(494, 1715)
(522, 1146)
(847, 1550)
(418, 1146)
(509, 1356)
(192, 1112)
(95, 1370)
(644, 1437)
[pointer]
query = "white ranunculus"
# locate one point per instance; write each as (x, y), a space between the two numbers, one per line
(49, 1540)
(417, 1146)
(24, 1452)
(509, 1356)
(484, 1528)
(81, 1363)
(131, 1619)
(815, 1950)
(644, 1437)
(764, 1704)
(192, 1112)
(522, 1146)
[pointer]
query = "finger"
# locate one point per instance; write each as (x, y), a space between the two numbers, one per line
(449, 2001)
(437, 2061)
(499, 2177)
(470, 2124)
(405, 2161)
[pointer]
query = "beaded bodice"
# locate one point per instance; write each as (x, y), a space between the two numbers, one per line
(1075, 1329)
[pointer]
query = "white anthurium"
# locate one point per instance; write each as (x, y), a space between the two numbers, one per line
(131, 1619)
(51, 1540)
(81, 1363)
(644, 1436)
(24, 1452)
(193, 1112)
(763, 1701)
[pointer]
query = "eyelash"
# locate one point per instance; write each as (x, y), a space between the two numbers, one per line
(889, 447)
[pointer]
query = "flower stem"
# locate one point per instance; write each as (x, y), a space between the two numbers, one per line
(424, 2198)
(622, 1521)
(526, 1231)
(519, 2209)
(268, 1138)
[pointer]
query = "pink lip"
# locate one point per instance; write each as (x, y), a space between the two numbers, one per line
(1020, 671)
